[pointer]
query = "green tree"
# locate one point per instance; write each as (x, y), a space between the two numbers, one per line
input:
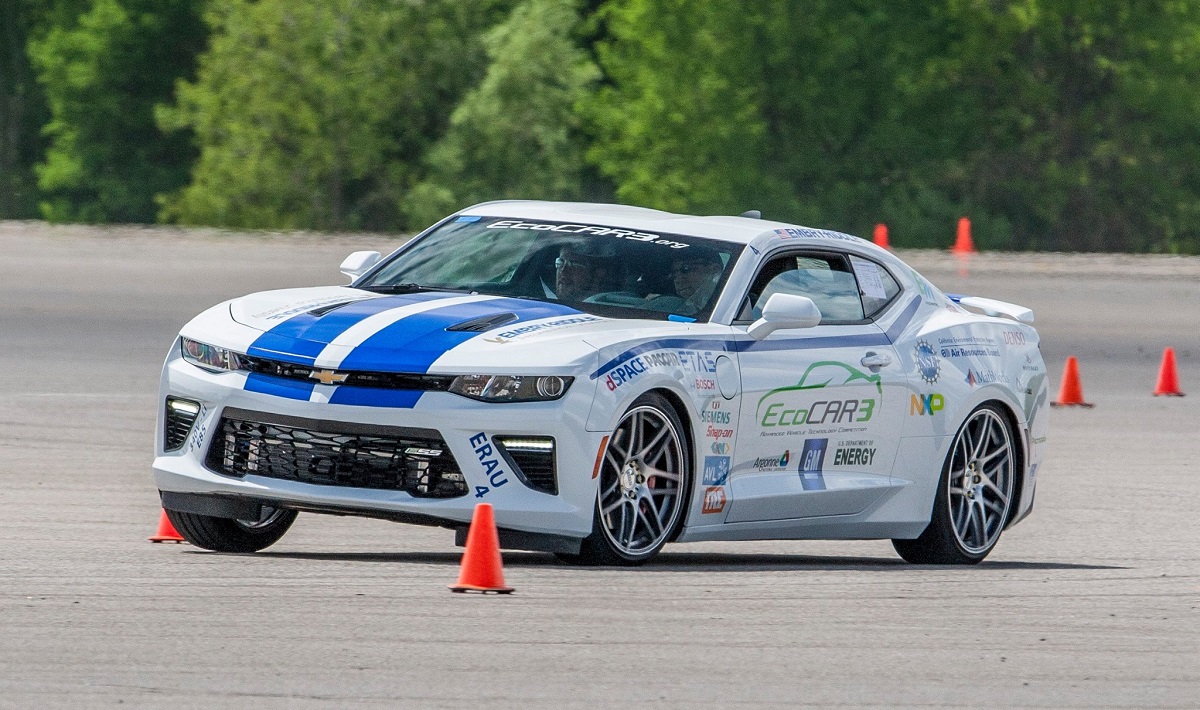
(102, 75)
(316, 113)
(516, 134)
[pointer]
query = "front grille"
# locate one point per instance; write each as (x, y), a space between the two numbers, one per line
(180, 416)
(416, 461)
(354, 378)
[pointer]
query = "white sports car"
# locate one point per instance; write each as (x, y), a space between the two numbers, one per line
(610, 379)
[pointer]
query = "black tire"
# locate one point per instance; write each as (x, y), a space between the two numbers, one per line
(640, 485)
(953, 538)
(229, 535)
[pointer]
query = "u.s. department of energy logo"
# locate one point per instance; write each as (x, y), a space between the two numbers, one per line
(927, 362)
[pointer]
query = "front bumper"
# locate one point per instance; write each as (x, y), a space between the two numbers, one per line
(467, 428)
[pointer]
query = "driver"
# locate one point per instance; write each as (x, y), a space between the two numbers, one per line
(584, 269)
(695, 274)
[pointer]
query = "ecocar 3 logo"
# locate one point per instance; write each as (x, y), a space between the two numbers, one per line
(794, 406)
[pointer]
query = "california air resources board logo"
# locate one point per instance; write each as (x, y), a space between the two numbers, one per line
(927, 362)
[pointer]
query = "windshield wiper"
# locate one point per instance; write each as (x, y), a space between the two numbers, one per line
(409, 288)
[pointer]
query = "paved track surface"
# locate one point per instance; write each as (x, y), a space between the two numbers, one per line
(1092, 602)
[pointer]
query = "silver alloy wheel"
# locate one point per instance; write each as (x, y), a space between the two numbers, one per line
(980, 481)
(641, 481)
(267, 517)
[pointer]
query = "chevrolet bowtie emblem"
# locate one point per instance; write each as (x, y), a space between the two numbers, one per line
(329, 377)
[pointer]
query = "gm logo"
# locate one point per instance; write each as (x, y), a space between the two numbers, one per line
(926, 404)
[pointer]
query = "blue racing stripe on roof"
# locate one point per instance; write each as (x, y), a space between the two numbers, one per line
(414, 343)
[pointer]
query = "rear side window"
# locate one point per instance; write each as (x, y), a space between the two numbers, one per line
(876, 285)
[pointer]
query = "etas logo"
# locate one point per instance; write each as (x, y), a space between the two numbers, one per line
(926, 404)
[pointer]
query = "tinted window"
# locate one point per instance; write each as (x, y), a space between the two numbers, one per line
(825, 278)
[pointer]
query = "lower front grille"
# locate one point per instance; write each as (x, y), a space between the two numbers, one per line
(180, 416)
(416, 461)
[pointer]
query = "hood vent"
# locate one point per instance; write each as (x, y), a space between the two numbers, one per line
(331, 307)
(484, 323)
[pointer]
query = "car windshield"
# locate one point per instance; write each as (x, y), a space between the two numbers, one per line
(609, 271)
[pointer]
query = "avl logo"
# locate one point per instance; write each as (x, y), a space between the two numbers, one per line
(926, 404)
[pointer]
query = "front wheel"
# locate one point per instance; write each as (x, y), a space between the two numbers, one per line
(229, 535)
(974, 495)
(643, 486)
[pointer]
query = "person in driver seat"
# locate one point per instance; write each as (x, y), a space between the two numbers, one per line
(584, 269)
(694, 276)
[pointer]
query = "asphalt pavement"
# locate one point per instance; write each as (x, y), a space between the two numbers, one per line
(1094, 601)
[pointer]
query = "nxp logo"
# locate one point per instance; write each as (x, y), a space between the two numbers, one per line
(926, 404)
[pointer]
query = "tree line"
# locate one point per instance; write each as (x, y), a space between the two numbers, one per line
(1053, 124)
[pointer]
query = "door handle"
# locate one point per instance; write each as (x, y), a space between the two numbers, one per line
(875, 360)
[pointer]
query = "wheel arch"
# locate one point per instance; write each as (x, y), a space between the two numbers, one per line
(681, 410)
(1021, 451)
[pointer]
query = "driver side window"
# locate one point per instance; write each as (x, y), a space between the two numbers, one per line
(825, 278)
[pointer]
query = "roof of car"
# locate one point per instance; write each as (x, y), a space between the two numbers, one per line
(741, 230)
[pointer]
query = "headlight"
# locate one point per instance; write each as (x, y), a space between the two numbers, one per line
(209, 357)
(511, 388)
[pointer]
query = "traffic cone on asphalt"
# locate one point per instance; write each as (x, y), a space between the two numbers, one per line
(166, 531)
(881, 236)
(482, 568)
(1071, 394)
(962, 239)
(1168, 377)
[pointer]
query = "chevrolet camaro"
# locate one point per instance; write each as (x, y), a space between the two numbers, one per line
(610, 379)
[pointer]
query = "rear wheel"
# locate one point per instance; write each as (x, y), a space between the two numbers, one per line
(230, 535)
(974, 495)
(643, 486)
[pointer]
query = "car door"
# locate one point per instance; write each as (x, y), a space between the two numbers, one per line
(822, 407)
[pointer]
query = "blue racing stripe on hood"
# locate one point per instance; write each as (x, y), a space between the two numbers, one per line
(279, 386)
(414, 343)
(302, 337)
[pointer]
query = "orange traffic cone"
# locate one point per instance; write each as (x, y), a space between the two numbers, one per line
(962, 240)
(482, 568)
(881, 236)
(1071, 394)
(166, 531)
(1168, 377)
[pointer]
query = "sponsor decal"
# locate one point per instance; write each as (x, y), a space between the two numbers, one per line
(310, 304)
(720, 447)
(807, 233)
(860, 454)
(773, 463)
(975, 378)
(688, 360)
(714, 433)
(490, 461)
(927, 362)
(926, 404)
(198, 435)
(1039, 440)
(812, 463)
(924, 287)
(797, 406)
(515, 333)
(716, 470)
(714, 500)
(956, 351)
(967, 340)
(714, 416)
(647, 237)
(1014, 337)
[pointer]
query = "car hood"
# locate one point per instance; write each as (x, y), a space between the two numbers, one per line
(341, 327)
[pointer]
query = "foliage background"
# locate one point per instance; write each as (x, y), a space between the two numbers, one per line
(1053, 124)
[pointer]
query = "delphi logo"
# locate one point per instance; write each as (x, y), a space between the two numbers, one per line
(926, 404)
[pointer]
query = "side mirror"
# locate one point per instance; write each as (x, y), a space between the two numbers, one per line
(785, 311)
(359, 263)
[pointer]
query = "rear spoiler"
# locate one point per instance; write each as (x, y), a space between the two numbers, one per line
(992, 307)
